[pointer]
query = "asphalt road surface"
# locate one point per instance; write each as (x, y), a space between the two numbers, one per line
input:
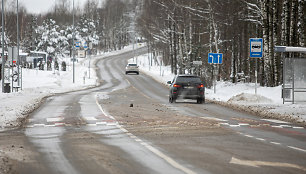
(127, 126)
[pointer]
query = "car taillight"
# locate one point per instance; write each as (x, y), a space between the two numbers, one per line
(201, 86)
(176, 85)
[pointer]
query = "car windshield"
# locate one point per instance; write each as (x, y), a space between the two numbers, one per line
(132, 64)
(188, 79)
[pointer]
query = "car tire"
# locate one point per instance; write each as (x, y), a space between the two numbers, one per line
(171, 99)
(199, 100)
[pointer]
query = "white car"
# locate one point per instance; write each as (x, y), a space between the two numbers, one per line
(132, 68)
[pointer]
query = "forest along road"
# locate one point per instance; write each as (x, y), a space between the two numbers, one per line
(127, 126)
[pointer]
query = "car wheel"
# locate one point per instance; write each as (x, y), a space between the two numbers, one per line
(171, 99)
(199, 100)
(137, 73)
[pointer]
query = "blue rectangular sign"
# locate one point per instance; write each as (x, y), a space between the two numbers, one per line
(256, 47)
(215, 58)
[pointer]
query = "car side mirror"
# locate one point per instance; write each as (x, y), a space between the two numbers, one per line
(169, 82)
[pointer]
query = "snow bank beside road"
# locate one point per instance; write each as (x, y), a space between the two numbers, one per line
(15, 106)
(267, 102)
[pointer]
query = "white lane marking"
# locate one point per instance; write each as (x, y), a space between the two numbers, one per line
(234, 125)
(51, 125)
(138, 140)
(90, 118)
(91, 124)
(101, 123)
(104, 113)
(297, 127)
(264, 163)
(226, 124)
(250, 136)
(285, 126)
(296, 148)
(243, 124)
(55, 119)
(214, 118)
(260, 139)
(152, 149)
(59, 124)
(277, 126)
(275, 121)
(169, 160)
(37, 125)
(276, 143)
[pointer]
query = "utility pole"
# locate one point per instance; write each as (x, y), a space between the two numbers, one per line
(73, 47)
(18, 58)
(2, 67)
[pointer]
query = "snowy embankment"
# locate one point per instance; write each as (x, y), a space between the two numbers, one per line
(37, 85)
(267, 103)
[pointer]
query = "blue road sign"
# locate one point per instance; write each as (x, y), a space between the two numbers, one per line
(215, 58)
(77, 44)
(256, 47)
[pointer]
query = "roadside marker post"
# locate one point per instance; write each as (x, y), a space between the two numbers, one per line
(256, 51)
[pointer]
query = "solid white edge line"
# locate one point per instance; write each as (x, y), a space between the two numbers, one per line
(152, 149)
(296, 148)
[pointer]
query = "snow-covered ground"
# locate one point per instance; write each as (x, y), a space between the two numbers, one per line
(37, 84)
(267, 102)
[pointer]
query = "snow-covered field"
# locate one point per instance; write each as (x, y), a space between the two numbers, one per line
(37, 84)
(267, 102)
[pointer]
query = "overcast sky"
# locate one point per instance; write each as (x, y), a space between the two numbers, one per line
(42, 6)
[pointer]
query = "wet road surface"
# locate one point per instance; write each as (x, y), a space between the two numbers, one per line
(96, 131)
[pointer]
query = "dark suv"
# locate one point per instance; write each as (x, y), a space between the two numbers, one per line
(187, 87)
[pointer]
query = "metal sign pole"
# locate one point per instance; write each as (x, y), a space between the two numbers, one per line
(256, 51)
(255, 76)
(215, 79)
(18, 58)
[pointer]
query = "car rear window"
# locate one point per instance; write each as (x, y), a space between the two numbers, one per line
(188, 79)
(132, 64)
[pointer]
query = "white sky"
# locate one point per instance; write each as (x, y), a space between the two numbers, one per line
(42, 6)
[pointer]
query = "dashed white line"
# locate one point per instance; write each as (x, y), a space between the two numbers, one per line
(296, 127)
(260, 139)
(277, 126)
(37, 125)
(234, 125)
(250, 136)
(276, 143)
(55, 119)
(243, 124)
(90, 118)
(285, 126)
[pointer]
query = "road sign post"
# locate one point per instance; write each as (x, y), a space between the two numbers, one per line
(256, 51)
(215, 59)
